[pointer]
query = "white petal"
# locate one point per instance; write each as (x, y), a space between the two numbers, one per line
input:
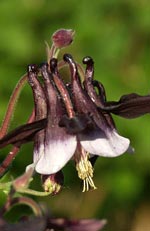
(111, 146)
(56, 154)
(38, 146)
(38, 153)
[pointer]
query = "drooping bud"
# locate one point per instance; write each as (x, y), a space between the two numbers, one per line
(23, 181)
(53, 183)
(62, 38)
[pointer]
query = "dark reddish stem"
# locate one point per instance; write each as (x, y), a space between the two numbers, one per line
(8, 160)
(13, 152)
(11, 105)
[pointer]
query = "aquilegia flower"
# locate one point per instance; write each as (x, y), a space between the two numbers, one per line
(72, 120)
(56, 145)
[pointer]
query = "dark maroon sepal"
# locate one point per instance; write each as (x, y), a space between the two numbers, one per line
(129, 106)
(22, 134)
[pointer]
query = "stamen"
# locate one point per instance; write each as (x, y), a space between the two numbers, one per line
(85, 172)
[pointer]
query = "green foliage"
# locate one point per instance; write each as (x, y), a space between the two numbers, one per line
(116, 34)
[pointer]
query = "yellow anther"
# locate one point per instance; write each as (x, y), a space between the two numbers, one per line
(85, 173)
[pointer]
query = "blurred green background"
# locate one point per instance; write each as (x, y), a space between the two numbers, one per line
(116, 33)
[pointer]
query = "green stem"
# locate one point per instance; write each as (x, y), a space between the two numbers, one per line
(33, 192)
(29, 202)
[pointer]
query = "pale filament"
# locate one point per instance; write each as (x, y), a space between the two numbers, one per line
(84, 168)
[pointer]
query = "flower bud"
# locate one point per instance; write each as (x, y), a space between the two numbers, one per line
(23, 181)
(53, 183)
(62, 38)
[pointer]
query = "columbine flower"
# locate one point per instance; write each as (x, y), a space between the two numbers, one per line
(73, 121)
(95, 134)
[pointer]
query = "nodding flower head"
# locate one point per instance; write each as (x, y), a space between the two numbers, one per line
(73, 120)
(75, 128)
(79, 121)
